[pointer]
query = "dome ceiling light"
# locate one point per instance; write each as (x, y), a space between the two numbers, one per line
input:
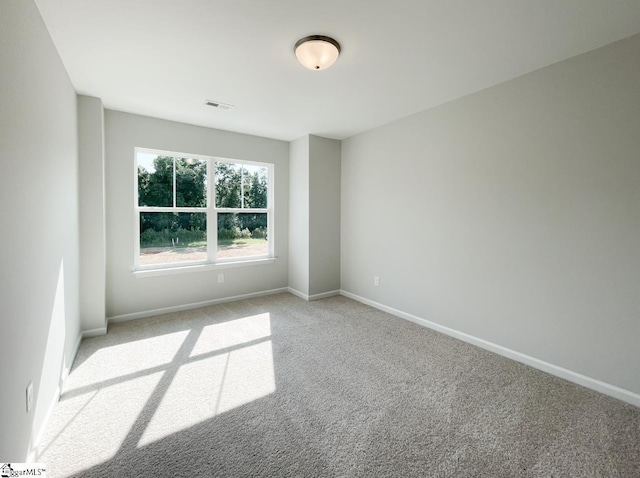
(317, 52)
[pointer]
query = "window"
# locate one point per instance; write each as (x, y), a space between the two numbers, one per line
(193, 209)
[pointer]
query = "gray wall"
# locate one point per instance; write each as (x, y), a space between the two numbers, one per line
(512, 214)
(128, 294)
(314, 213)
(39, 318)
(92, 213)
(299, 215)
(324, 215)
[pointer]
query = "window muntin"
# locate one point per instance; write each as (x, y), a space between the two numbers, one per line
(198, 210)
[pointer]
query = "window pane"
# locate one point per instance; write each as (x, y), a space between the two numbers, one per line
(167, 238)
(155, 180)
(228, 180)
(255, 186)
(191, 182)
(242, 235)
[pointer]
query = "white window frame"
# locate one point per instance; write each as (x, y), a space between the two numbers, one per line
(210, 210)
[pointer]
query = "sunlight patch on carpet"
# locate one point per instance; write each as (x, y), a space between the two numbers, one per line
(127, 358)
(231, 333)
(213, 383)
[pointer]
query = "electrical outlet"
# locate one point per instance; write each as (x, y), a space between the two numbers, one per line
(376, 281)
(220, 278)
(29, 396)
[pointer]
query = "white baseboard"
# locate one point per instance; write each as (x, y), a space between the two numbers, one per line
(297, 293)
(322, 295)
(566, 374)
(67, 366)
(194, 305)
(94, 332)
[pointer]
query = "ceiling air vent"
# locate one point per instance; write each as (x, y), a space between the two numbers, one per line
(218, 104)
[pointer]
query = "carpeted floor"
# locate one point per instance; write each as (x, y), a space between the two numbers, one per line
(276, 386)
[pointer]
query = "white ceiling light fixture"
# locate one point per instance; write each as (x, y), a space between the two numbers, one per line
(317, 52)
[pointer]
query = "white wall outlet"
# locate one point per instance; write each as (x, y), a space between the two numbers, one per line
(376, 281)
(220, 278)
(29, 396)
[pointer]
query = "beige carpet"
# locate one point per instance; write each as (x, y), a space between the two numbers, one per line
(276, 386)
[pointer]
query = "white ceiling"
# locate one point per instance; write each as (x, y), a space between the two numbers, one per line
(163, 58)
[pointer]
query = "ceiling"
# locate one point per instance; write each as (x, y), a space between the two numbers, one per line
(164, 58)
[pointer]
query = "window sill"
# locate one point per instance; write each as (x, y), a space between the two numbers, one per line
(179, 269)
